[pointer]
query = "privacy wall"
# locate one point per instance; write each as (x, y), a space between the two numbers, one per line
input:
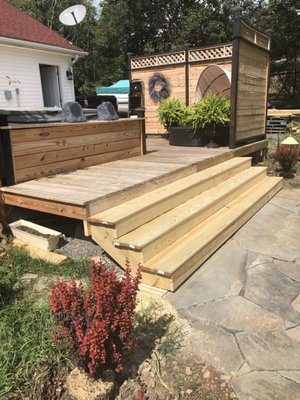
(238, 70)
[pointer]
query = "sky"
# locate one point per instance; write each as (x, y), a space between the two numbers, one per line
(96, 3)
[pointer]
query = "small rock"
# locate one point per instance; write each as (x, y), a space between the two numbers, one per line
(27, 277)
(72, 112)
(188, 371)
(151, 383)
(189, 392)
(223, 384)
(225, 378)
(106, 111)
(41, 285)
(96, 259)
(206, 375)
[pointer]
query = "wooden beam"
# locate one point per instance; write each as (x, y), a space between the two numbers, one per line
(51, 207)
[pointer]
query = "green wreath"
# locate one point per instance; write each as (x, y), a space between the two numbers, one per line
(164, 92)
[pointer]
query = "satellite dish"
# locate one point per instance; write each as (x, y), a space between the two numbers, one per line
(72, 15)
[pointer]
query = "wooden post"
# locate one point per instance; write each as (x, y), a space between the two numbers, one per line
(141, 114)
(6, 162)
(3, 222)
(187, 77)
(234, 76)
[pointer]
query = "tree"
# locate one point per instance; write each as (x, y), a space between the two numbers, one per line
(282, 18)
(150, 26)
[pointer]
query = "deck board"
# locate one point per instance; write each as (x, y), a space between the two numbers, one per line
(89, 186)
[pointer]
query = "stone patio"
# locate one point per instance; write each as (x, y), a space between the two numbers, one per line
(243, 304)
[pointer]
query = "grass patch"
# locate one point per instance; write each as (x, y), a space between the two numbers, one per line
(16, 262)
(26, 345)
(26, 324)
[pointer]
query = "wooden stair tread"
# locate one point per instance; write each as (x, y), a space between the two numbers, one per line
(132, 208)
(192, 211)
(228, 218)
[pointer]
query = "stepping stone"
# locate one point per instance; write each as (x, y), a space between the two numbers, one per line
(265, 385)
(276, 223)
(270, 350)
(218, 347)
(296, 303)
(218, 277)
(272, 290)
(294, 333)
(237, 314)
(290, 269)
(292, 375)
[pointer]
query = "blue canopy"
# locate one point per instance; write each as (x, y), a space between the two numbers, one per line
(121, 86)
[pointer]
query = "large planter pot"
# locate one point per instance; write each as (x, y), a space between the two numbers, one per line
(185, 136)
(218, 135)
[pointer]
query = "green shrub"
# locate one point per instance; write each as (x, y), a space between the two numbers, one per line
(214, 109)
(171, 112)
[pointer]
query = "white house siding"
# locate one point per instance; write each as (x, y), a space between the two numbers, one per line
(22, 65)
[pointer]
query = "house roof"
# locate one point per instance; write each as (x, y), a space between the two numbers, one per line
(121, 86)
(16, 24)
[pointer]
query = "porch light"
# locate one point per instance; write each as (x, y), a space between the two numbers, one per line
(69, 74)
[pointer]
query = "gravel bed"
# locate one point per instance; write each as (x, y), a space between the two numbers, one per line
(77, 249)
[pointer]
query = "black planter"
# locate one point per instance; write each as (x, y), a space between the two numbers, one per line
(185, 136)
(218, 135)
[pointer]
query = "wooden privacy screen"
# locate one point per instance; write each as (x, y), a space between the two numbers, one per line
(33, 151)
(249, 84)
(182, 70)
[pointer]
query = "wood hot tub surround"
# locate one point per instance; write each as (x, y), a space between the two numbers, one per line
(37, 150)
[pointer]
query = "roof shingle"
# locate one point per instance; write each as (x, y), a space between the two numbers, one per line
(16, 24)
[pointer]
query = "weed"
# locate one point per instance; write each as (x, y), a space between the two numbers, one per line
(172, 340)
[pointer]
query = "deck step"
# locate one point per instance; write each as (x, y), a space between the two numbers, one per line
(174, 229)
(138, 211)
(184, 256)
(152, 237)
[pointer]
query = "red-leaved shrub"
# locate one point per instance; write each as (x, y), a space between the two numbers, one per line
(96, 324)
(287, 157)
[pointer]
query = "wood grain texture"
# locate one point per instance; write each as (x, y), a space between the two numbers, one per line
(252, 82)
(99, 187)
(49, 149)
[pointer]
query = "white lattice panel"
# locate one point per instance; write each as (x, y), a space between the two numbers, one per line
(158, 60)
(211, 53)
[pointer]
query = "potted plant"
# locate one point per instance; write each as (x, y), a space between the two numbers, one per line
(213, 114)
(176, 118)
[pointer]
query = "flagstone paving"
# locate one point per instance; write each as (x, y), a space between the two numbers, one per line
(243, 304)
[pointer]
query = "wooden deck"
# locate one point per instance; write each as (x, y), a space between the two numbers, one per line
(82, 193)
